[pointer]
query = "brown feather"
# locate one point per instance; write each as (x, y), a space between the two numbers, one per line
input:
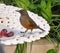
(27, 22)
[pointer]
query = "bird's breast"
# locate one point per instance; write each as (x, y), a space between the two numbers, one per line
(25, 22)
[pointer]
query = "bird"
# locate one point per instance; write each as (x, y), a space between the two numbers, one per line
(26, 21)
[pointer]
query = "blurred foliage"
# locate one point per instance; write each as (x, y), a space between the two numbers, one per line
(49, 9)
(51, 51)
(8, 2)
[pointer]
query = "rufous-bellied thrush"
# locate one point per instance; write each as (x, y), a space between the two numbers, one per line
(27, 22)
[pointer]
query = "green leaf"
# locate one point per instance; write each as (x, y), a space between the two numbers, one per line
(23, 3)
(49, 13)
(46, 10)
(1, 1)
(56, 0)
(48, 4)
(43, 4)
(53, 1)
(25, 47)
(52, 51)
(31, 46)
(32, 6)
(45, 16)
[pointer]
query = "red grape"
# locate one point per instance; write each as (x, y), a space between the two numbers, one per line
(3, 32)
(10, 34)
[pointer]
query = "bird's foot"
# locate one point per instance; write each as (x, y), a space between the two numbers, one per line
(23, 35)
(22, 32)
(30, 33)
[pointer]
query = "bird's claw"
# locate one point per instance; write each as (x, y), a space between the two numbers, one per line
(22, 32)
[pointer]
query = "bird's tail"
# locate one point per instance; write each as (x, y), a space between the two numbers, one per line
(41, 29)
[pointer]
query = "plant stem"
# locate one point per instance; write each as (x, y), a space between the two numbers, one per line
(31, 47)
(51, 40)
(55, 15)
(25, 47)
(55, 5)
(57, 47)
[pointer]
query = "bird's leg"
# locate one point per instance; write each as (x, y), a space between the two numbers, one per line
(25, 32)
(31, 31)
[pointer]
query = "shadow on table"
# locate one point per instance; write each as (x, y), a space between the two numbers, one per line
(2, 48)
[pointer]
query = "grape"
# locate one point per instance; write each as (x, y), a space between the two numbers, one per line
(10, 34)
(3, 32)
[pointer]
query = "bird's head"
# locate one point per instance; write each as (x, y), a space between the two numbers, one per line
(23, 12)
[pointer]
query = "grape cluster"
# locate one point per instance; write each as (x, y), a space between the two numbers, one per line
(5, 33)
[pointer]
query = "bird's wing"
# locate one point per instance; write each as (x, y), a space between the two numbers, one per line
(32, 23)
